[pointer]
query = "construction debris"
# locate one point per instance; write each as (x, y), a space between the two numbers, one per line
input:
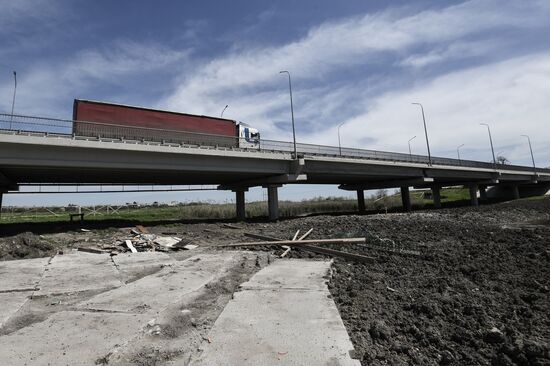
(311, 248)
(167, 241)
(141, 240)
(131, 246)
(300, 242)
(142, 229)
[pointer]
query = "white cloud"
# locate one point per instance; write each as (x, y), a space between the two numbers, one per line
(511, 96)
(249, 80)
(47, 89)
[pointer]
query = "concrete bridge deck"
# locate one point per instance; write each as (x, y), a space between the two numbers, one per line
(47, 158)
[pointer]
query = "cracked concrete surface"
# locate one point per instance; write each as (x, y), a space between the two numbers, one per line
(85, 309)
(283, 315)
(155, 309)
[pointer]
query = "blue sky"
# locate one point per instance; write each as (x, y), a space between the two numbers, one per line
(354, 62)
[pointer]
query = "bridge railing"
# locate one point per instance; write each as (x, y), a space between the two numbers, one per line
(104, 131)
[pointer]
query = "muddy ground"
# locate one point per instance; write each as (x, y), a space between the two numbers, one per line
(476, 293)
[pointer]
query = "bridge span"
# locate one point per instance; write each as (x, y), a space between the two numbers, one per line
(30, 153)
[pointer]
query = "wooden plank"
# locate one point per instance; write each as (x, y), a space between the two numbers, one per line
(299, 242)
(338, 253)
(305, 235)
(296, 235)
(261, 237)
(326, 251)
(142, 229)
(131, 246)
(287, 249)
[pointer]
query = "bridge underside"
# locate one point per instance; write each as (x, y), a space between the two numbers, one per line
(25, 159)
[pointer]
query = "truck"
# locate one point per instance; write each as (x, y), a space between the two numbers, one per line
(118, 121)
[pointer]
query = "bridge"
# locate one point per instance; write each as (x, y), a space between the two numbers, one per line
(45, 151)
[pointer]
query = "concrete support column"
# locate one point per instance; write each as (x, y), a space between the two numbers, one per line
(483, 193)
(436, 194)
(406, 199)
(473, 194)
(273, 202)
(515, 191)
(1, 194)
(361, 200)
(239, 200)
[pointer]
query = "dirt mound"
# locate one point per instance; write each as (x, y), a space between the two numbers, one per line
(25, 245)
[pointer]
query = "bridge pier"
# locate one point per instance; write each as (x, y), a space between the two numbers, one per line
(473, 194)
(1, 194)
(361, 200)
(406, 198)
(483, 193)
(273, 202)
(515, 192)
(240, 204)
(436, 194)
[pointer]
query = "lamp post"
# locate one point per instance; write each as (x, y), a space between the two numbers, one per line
(13, 100)
(409, 142)
(491, 141)
(339, 143)
(224, 108)
(532, 156)
(291, 112)
(458, 153)
(426, 133)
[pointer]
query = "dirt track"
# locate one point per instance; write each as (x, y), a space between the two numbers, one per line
(478, 293)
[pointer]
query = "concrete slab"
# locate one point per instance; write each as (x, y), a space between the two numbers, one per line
(282, 316)
(69, 338)
(10, 303)
(72, 336)
(77, 272)
(155, 292)
(21, 274)
(308, 275)
(135, 265)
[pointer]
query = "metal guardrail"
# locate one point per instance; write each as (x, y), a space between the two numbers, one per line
(113, 132)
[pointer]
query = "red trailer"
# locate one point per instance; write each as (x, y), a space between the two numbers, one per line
(108, 120)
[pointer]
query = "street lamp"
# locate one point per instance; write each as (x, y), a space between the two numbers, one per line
(426, 132)
(291, 112)
(531, 149)
(339, 143)
(13, 100)
(458, 153)
(412, 138)
(491, 141)
(224, 108)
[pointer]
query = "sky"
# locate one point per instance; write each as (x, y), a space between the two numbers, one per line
(357, 63)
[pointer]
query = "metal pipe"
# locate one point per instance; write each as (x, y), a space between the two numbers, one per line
(458, 153)
(339, 143)
(532, 156)
(426, 133)
(409, 142)
(491, 141)
(13, 100)
(291, 112)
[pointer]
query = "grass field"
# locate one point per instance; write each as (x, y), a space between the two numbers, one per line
(200, 210)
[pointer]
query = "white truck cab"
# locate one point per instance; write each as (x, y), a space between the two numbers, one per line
(249, 137)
